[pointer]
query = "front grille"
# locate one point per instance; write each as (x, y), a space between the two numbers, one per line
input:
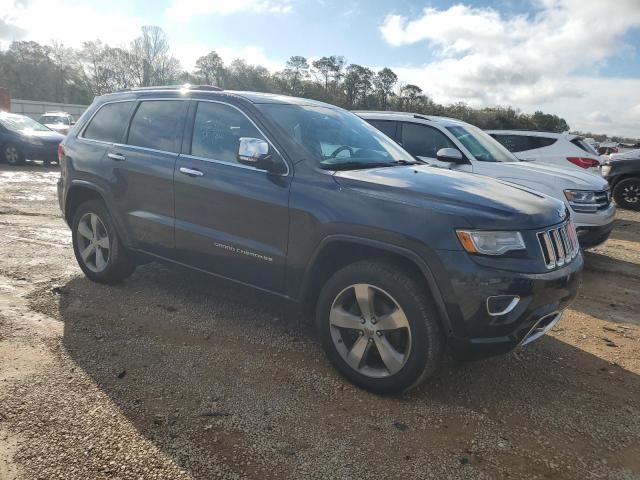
(603, 199)
(559, 245)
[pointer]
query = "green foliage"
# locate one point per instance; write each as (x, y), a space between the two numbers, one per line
(37, 72)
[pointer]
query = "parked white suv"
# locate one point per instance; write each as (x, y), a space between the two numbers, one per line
(560, 149)
(455, 145)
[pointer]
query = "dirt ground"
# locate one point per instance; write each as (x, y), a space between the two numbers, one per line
(175, 375)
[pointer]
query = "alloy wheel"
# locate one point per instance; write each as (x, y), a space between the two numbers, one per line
(11, 154)
(631, 193)
(370, 330)
(93, 242)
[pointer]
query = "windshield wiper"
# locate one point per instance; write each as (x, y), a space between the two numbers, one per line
(409, 162)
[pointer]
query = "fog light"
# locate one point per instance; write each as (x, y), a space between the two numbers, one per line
(501, 304)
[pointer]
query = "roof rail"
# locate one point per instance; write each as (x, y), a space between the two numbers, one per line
(392, 112)
(206, 88)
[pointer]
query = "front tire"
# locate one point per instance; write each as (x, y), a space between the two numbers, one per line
(12, 155)
(379, 328)
(627, 193)
(98, 248)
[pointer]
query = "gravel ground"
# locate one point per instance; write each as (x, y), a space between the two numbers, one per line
(175, 375)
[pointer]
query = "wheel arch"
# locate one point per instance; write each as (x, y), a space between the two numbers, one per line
(338, 251)
(82, 191)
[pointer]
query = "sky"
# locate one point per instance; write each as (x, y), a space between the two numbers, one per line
(579, 59)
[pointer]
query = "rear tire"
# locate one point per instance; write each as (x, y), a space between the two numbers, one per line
(627, 193)
(379, 327)
(99, 250)
(12, 155)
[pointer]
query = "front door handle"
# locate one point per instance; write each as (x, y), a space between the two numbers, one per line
(117, 157)
(191, 172)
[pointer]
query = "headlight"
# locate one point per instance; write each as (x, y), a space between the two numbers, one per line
(490, 243)
(582, 200)
(605, 169)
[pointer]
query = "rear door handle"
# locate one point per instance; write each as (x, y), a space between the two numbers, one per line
(117, 157)
(191, 172)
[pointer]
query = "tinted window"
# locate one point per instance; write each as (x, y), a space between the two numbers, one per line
(423, 141)
(109, 123)
(385, 126)
(217, 131)
(521, 143)
(158, 125)
(582, 145)
(541, 142)
(513, 143)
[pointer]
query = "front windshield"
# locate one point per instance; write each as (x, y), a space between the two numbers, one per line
(52, 119)
(20, 123)
(481, 145)
(337, 139)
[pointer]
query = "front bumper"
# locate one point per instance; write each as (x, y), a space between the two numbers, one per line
(474, 333)
(594, 228)
(590, 237)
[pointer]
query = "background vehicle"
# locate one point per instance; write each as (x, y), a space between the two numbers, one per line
(623, 176)
(22, 138)
(60, 122)
(587, 195)
(560, 149)
(608, 149)
(627, 155)
(397, 259)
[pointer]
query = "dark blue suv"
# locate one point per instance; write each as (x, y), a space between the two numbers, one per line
(398, 261)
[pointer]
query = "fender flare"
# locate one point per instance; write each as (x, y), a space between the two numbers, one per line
(391, 248)
(87, 185)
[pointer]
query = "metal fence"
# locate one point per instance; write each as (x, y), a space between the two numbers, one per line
(34, 109)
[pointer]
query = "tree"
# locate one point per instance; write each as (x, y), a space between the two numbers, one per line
(152, 61)
(357, 85)
(329, 69)
(384, 81)
(296, 71)
(408, 95)
(211, 69)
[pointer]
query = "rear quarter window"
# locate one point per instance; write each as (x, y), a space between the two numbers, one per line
(584, 146)
(109, 124)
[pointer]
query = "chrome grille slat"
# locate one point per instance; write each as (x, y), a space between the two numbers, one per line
(559, 245)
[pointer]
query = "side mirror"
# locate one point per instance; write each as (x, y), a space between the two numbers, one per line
(254, 152)
(451, 155)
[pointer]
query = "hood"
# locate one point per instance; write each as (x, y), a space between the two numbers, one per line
(541, 173)
(46, 136)
(57, 126)
(482, 201)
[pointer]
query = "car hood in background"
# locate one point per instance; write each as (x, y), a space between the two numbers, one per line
(550, 174)
(46, 136)
(484, 202)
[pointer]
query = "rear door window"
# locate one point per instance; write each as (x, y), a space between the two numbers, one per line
(385, 126)
(158, 124)
(109, 124)
(522, 143)
(423, 141)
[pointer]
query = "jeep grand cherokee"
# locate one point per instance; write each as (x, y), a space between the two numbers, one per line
(398, 260)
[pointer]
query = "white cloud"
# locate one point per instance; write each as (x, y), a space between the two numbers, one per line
(484, 58)
(68, 22)
(183, 10)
